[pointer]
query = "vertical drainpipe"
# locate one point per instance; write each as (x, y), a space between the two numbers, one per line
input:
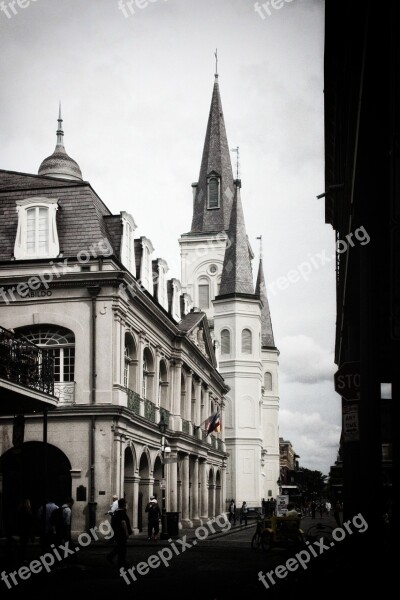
(94, 292)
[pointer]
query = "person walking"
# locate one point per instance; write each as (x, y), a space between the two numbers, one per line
(154, 516)
(336, 512)
(243, 513)
(232, 512)
(313, 509)
(122, 530)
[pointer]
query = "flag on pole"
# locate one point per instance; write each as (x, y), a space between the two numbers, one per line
(214, 424)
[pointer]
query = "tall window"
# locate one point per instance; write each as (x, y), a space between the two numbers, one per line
(60, 343)
(145, 376)
(225, 341)
(204, 293)
(37, 229)
(268, 382)
(213, 192)
(246, 341)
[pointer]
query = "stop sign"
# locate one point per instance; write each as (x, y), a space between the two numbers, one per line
(347, 380)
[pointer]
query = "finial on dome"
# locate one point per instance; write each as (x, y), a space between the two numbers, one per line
(60, 132)
(59, 164)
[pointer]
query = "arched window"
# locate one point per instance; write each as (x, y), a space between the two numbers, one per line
(268, 382)
(145, 376)
(59, 342)
(246, 341)
(213, 192)
(225, 341)
(204, 293)
(130, 363)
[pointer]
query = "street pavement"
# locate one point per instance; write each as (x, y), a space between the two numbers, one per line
(220, 566)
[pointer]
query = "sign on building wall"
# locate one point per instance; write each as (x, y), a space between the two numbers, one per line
(350, 422)
(281, 505)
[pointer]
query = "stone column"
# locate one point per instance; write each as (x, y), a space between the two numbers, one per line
(135, 503)
(186, 522)
(197, 409)
(122, 447)
(203, 491)
(206, 404)
(176, 419)
(140, 372)
(195, 493)
(188, 400)
(173, 484)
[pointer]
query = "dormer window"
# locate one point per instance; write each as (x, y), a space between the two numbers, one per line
(128, 242)
(37, 229)
(146, 267)
(213, 192)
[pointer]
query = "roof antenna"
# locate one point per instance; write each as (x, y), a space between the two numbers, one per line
(237, 160)
(216, 63)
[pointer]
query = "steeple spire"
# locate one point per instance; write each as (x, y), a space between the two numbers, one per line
(237, 276)
(59, 164)
(215, 170)
(267, 335)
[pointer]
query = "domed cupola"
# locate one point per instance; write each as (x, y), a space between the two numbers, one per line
(59, 164)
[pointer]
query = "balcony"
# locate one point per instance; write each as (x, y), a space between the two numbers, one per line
(26, 375)
(133, 401)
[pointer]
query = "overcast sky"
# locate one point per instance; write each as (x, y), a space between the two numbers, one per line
(136, 91)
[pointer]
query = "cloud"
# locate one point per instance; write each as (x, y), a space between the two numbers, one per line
(313, 438)
(303, 360)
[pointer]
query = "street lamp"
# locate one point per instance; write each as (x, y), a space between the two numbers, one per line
(162, 426)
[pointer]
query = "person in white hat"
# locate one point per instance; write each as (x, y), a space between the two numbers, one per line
(154, 514)
(113, 506)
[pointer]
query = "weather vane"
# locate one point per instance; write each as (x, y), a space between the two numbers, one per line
(216, 62)
(237, 160)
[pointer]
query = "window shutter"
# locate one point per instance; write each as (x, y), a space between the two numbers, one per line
(246, 341)
(225, 342)
(213, 193)
(204, 295)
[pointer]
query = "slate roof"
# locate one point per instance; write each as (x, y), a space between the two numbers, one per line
(216, 158)
(237, 275)
(267, 335)
(78, 204)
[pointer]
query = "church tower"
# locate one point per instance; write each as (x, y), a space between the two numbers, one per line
(217, 274)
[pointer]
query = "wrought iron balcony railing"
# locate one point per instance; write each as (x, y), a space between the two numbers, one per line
(24, 363)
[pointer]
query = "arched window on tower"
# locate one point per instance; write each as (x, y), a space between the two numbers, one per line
(225, 341)
(204, 293)
(213, 192)
(268, 382)
(246, 342)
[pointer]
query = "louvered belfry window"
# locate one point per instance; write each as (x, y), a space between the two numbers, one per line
(225, 341)
(246, 341)
(213, 192)
(204, 294)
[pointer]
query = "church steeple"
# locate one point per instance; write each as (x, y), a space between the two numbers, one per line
(267, 335)
(215, 190)
(237, 275)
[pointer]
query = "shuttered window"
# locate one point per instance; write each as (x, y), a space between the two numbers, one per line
(246, 341)
(204, 294)
(213, 193)
(225, 341)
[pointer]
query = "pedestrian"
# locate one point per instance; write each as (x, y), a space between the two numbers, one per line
(114, 506)
(232, 512)
(313, 509)
(25, 526)
(63, 529)
(243, 513)
(336, 512)
(154, 515)
(328, 507)
(122, 530)
(47, 528)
